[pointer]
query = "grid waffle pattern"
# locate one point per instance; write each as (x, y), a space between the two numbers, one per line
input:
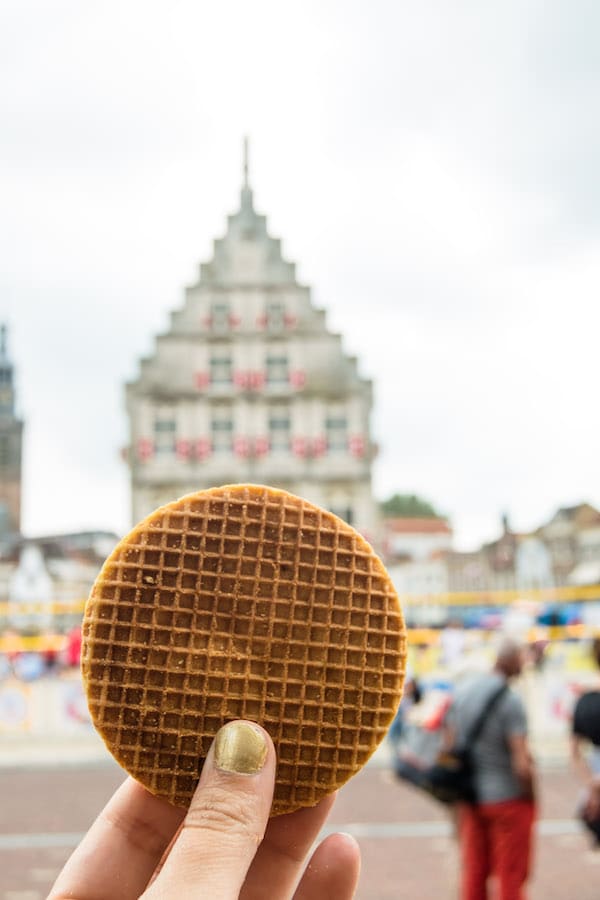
(243, 602)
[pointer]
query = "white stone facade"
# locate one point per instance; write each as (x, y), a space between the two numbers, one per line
(248, 385)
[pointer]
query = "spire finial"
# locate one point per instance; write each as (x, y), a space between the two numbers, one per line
(246, 146)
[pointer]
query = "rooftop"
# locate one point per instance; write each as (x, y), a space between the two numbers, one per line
(417, 526)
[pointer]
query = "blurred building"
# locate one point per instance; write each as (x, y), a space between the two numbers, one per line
(565, 550)
(573, 539)
(11, 435)
(44, 581)
(408, 538)
(415, 551)
(500, 565)
(249, 385)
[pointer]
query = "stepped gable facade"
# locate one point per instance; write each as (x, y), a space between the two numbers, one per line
(249, 385)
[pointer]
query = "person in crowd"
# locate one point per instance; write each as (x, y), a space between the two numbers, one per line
(223, 846)
(495, 833)
(586, 731)
(73, 647)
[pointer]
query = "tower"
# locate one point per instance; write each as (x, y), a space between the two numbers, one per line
(11, 436)
(249, 385)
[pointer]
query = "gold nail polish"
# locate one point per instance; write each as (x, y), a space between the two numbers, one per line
(240, 748)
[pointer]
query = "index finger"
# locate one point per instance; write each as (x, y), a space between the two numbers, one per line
(226, 821)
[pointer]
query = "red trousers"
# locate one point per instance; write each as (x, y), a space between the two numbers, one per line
(495, 839)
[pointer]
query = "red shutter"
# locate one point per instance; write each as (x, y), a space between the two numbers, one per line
(145, 449)
(261, 446)
(320, 445)
(201, 379)
(299, 446)
(202, 448)
(356, 445)
(297, 378)
(240, 378)
(183, 449)
(241, 446)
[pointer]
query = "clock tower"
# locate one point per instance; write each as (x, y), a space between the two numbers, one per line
(11, 435)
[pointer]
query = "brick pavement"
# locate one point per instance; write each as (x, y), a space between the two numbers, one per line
(52, 806)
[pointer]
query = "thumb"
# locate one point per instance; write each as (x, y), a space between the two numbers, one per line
(226, 820)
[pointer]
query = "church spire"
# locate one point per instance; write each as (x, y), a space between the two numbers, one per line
(247, 203)
(246, 147)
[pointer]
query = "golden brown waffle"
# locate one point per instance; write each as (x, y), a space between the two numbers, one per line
(243, 602)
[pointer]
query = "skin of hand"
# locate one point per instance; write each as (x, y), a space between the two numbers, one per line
(225, 847)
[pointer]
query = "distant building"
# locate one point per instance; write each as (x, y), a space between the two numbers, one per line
(573, 539)
(43, 579)
(11, 437)
(566, 550)
(415, 551)
(415, 538)
(468, 571)
(533, 563)
(490, 568)
(249, 385)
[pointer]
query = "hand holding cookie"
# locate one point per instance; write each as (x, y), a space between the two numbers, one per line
(225, 847)
(243, 656)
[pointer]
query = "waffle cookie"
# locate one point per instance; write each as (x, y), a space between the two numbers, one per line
(243, 602)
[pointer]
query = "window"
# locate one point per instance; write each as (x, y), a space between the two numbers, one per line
(279, 428)
(222, 432)
(220, 370)
(275, 317)
(164, 434)
(219, 318)
(336, 428)
(277, 369)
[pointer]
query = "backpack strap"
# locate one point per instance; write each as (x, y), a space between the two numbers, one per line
(477, 726)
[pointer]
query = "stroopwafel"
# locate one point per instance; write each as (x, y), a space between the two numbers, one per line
(246, 602)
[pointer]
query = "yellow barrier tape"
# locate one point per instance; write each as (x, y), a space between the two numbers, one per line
(36, 644)
(58, 608)
(13, 643)
(455, 598)
(505, 598)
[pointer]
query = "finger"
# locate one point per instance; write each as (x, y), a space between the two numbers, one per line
(226, 820)
(282, 854)
(121, 849)
(333, 871)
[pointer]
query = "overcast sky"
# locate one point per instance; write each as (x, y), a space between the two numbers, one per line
(432, 167)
